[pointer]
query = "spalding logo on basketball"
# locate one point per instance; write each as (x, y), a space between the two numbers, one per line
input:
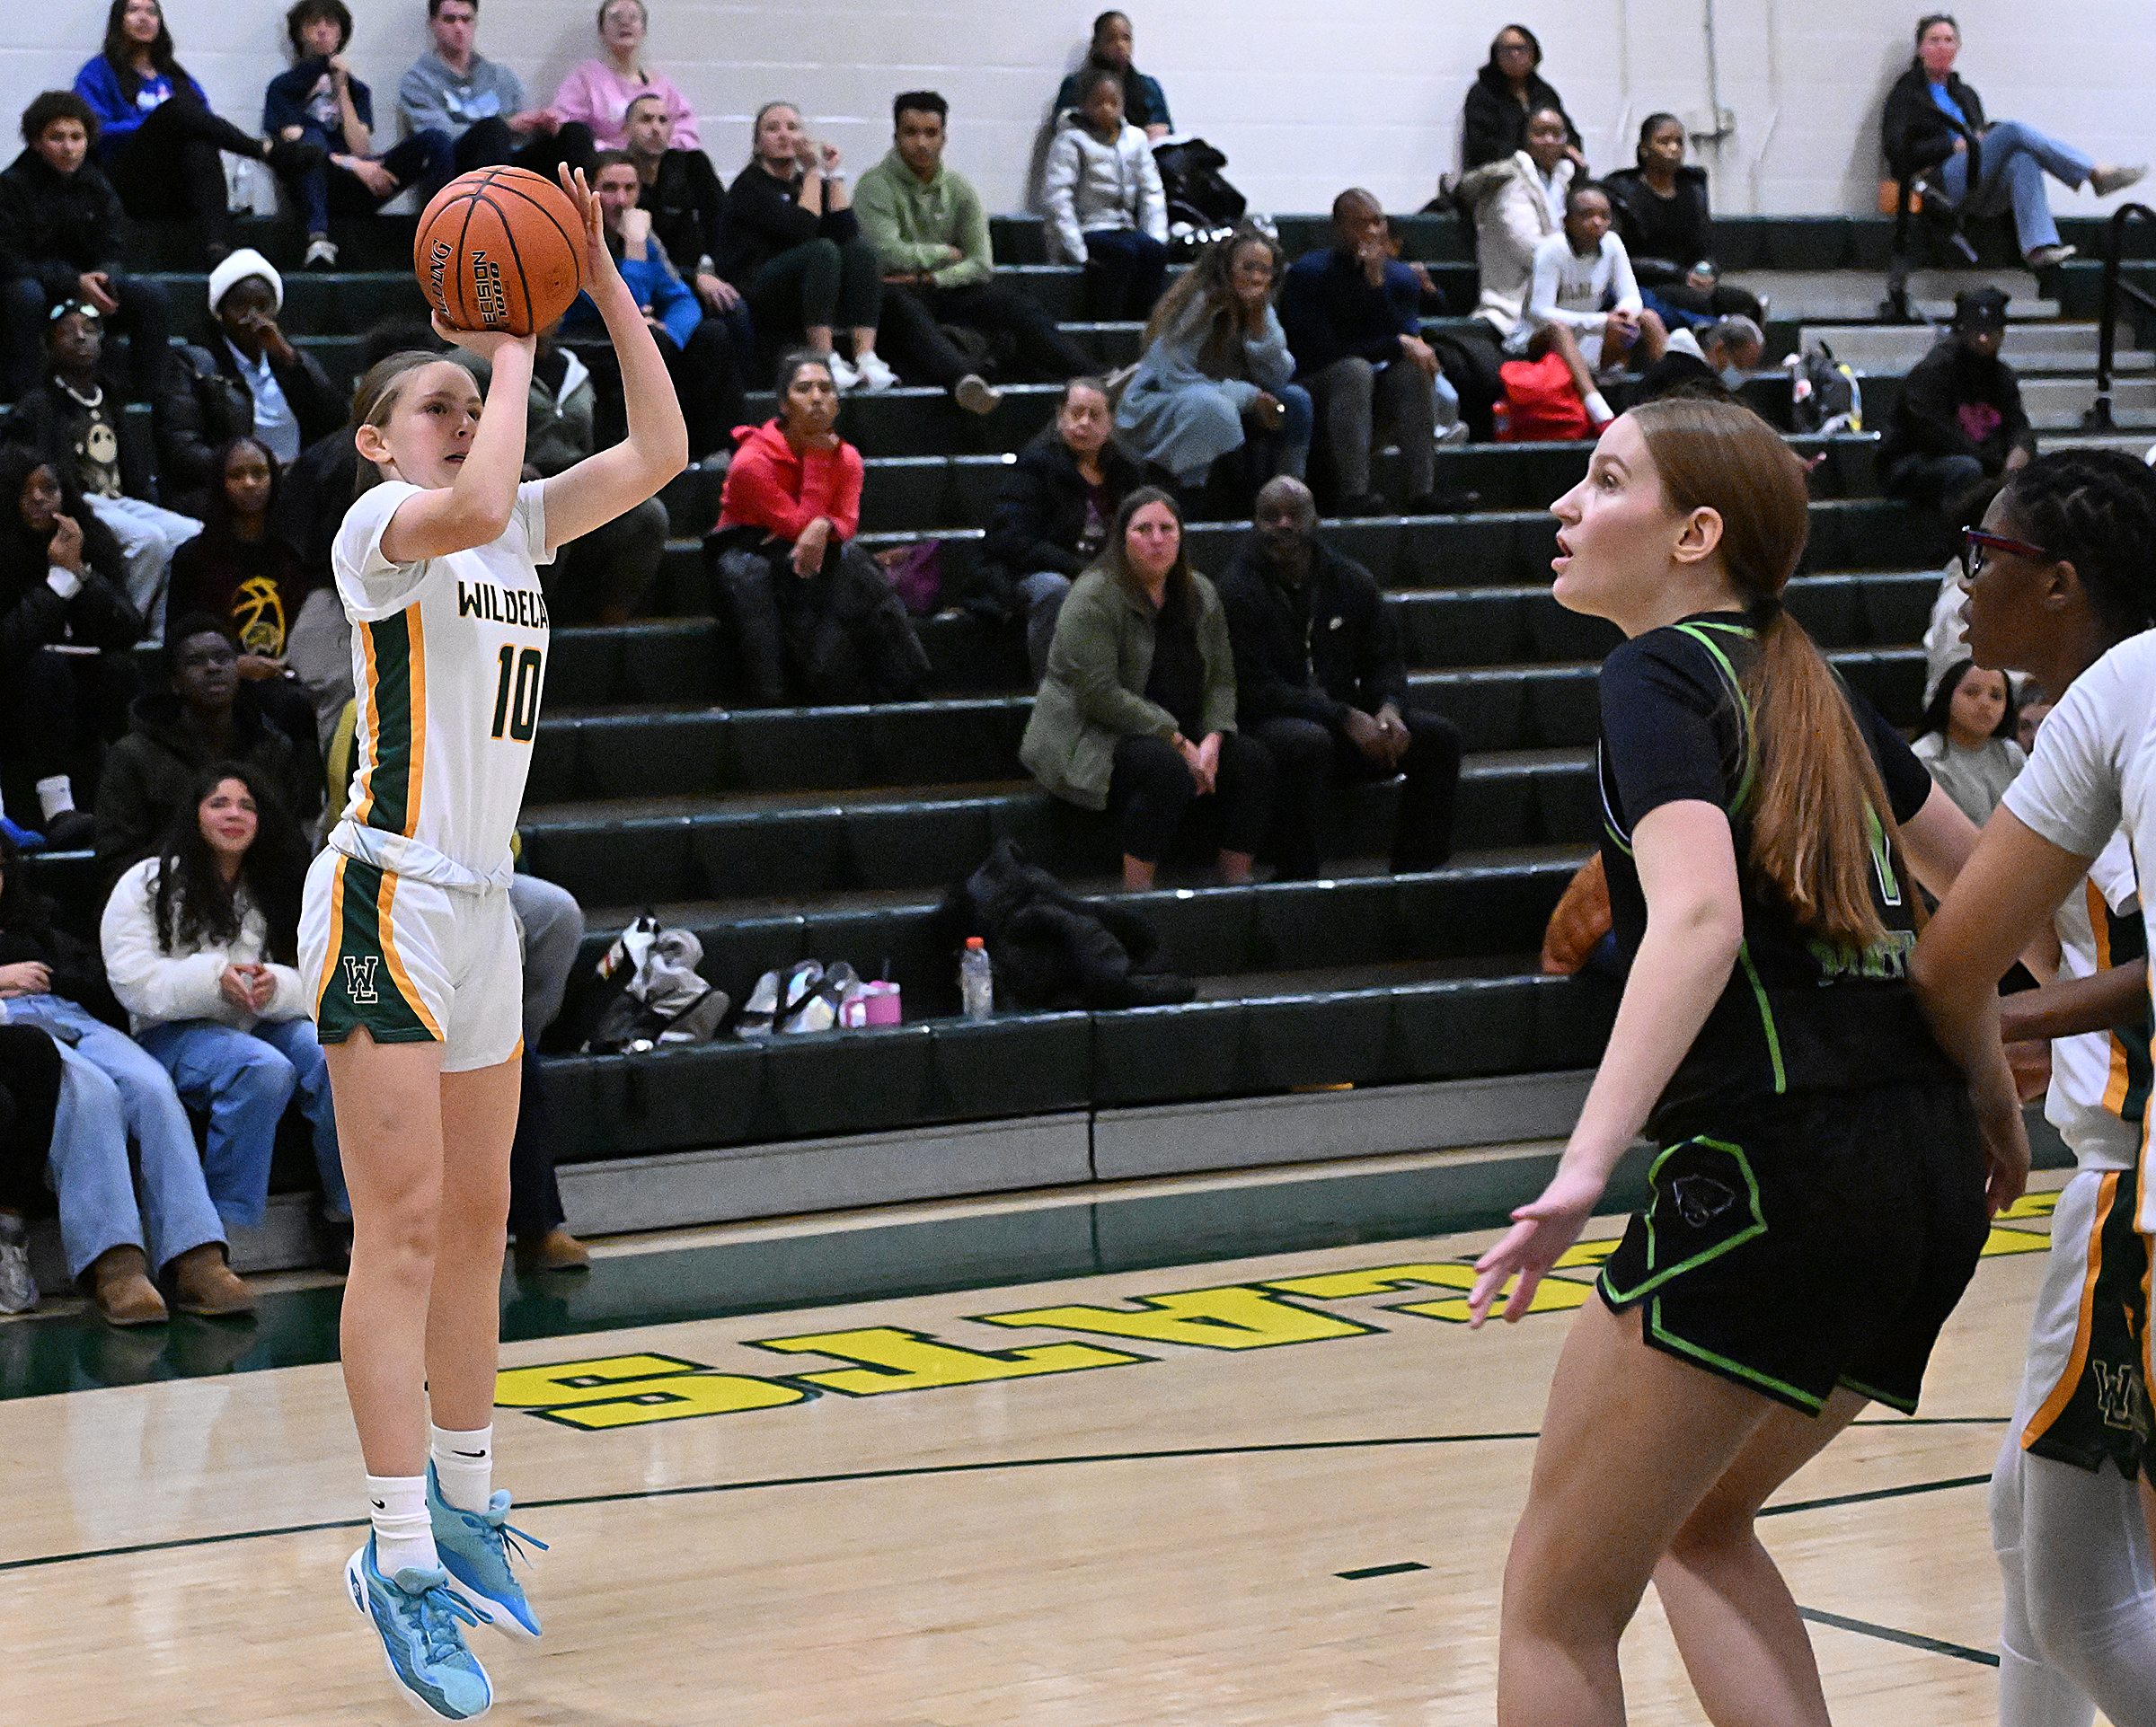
(500, 249)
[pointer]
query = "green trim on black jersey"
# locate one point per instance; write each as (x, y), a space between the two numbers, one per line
(1766, 1017)
(1698, 632)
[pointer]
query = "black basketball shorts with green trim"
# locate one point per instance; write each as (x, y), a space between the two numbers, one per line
(1819, 1240)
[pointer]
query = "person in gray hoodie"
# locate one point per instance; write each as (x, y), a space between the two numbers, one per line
(457, 90)
(1105, 207)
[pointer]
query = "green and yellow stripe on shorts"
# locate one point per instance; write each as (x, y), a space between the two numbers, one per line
(363, 982)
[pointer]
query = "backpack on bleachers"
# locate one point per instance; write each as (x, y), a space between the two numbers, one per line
(1825, 395)
(1202, 206)
(645, 992)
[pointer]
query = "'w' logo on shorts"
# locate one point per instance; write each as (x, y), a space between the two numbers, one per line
(360, 978)
(2116, 1390)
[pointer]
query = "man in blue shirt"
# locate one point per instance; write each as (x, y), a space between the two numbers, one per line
(1351, 313)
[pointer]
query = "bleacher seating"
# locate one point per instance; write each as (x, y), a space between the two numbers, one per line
(831, 833)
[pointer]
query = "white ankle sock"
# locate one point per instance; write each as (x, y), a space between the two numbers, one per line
(403, 1528)
(56, 796)
(464, 1465)
(1598, 411)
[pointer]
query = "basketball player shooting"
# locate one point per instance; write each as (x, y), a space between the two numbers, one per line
(407, 934)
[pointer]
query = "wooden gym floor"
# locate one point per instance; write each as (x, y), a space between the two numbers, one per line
(1270, 1490)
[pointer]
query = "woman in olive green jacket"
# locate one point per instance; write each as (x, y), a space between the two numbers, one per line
(1137, 714)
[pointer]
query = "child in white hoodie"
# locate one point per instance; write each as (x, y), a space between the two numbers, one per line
(1105, 207)
(199, 943)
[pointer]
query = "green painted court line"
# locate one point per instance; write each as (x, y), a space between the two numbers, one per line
(1907, 1639)
(1877, 1493)
(1380, 1570)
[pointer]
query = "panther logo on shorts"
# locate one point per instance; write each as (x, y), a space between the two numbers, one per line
(360, 978)
(1700, 1199)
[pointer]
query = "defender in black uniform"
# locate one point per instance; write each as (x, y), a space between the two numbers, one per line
(1819, 1200)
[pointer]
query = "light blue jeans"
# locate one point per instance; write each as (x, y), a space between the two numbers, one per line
(243, 1079)
(112, 1089)
(2016, 158)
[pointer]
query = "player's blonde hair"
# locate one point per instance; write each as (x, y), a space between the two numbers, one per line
(375, 399)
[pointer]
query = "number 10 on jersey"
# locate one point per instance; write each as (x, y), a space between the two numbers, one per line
(516, 694)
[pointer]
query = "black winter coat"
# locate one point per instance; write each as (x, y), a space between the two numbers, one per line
(150, 772)
(1314, 649)
(33, 616)
(1664, 236)
(27, 932)
(1039, 512)
(1917, 134)
(205, 402)
(56, 227)
(688, 208)
(840, 637)
(1493, 123)
(29, 1093)
(1927, 416)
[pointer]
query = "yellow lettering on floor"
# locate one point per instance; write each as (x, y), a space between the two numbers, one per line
(891, 1360)
(2032, 1205)
(1555, 1295)
(1232, 1317)
(629, 1390)
(2014, 1241)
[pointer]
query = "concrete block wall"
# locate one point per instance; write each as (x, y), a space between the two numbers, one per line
(1304, 98)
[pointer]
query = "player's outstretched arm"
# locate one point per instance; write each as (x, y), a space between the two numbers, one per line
(475, 510)
(1695, 924)
(604, 485)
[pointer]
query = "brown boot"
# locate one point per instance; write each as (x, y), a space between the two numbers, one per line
(555, 1251)
(202, 1282)
(120, 1288)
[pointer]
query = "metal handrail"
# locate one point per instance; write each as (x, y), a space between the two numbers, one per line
(2098, 416)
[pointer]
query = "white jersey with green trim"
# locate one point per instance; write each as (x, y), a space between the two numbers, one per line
(448, 662)
(2100, 1080)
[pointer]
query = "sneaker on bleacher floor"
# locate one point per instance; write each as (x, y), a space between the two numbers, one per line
(2104, 182)
(2050, 256)
(322, 253)
(476, 1548)
(18, 1288)
(416, 1615)
(843, 377)
(875, 373)
(976, 394)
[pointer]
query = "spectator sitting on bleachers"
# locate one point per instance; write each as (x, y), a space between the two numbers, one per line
(599, 92)
(1352, 315)
(1664, 221)
(1507, 94)
(1143, 105)
(30, 1098)
(240, 568)
(1934, 125)
(1321, 680)
(456, 89)
(158, 138)
(63, 586)
(200, 945)
(72, 421)
(552, 925)
(318, 99)
(1585, 305)
(244, 379)
(1968, 740)
(60, 225)
(605, 576)
(1958, 417)
(117, 1093)
(208, 716)
(682, 191)
(698, 354)
(931, 235)
(1216, 367)
(1105, 206)
(1711, 362)
(1052, 513)
(1518, 201)
(791, 241)
(1136, 715)
(807, 604)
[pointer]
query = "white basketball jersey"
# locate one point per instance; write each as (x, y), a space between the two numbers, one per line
(448, 661)
(2100, 1080)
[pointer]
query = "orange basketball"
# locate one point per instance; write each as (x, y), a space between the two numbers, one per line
(500, 249)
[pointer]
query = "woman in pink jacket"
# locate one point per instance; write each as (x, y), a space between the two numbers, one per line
(598, 93)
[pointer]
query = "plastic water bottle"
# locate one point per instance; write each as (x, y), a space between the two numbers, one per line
(976, 980)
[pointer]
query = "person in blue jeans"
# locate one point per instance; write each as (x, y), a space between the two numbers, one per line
(318, 102)
(200, 945)
(111, 1091)
(1935, 122)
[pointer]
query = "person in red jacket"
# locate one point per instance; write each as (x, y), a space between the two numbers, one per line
(812, 612)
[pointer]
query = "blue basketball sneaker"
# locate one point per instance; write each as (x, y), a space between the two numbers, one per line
(476, 1548)
(421, 1641)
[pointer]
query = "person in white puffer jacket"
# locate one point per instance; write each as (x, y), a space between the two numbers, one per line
(1105, 206)
(199, 945)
